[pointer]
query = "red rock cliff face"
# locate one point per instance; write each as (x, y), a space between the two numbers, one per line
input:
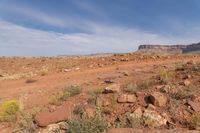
(170, 48)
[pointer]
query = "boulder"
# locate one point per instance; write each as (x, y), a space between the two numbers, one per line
(131, 98)
(46, 118)
(122, 98)
(137, 113)
(125, 98)
(153, 119)
(158, 99)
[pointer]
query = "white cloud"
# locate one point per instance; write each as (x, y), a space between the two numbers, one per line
(33, 14)
(18, 40)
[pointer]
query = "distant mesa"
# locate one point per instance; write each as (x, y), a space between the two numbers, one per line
(192, 48)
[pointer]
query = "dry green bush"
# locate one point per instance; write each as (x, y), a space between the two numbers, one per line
(25, 123)
(131, 88)
(194, 121)
(9, 110)
(166, 76)
(67, 92)
(91, 125)
(93, 94)
(184, 93)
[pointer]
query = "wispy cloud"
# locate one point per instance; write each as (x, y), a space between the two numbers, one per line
(91, 8)
(18, 40)
(34, 14)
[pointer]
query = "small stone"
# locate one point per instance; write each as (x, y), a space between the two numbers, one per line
(63, 125)
(115, 88)
(158, 99)
(67, 70)
(186, 82)
(77, 68)
(151, 107)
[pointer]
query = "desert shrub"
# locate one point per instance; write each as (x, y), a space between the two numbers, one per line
(44, 71)
(91, 125)
(128, 122)
(79, 110)
(146, 84)
(29, 81)
(25, 123)
(59, 97)
(131, 88)
(9, 110)
(73, 90)
(172, 106)
(93, 95)
(111, 107)
(166, 76)
(64, 94)
(197, 67)
(184, 93)
(194, 121)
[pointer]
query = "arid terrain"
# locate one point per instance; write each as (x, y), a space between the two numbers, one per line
(120, 93)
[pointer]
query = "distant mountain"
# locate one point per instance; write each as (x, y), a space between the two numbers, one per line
(170, 48)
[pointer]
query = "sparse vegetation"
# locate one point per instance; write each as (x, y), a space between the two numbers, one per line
(79, 110)
(131, 88)
(127, 122)
(194, 121)
(25, 123)
(67, 92)
(93, 95)
(184, 93)
(9, 110)
(146, 84)
(111, 107)
(44, 71)
(166, 76)
(73, 90)
(91, 125)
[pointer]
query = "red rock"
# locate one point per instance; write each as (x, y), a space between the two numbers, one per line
(141, 98)
(45, 118)
(158, 99)
(122, 98)
(131, 98)
(195, 105)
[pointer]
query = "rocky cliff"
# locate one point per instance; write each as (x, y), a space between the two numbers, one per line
(170, 48)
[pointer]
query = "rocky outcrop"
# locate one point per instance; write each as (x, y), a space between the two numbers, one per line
(170, 48)
(192, 48)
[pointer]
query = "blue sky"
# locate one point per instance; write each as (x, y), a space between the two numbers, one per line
(52, 27)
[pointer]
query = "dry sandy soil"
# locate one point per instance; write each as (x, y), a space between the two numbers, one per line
(33, 81)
